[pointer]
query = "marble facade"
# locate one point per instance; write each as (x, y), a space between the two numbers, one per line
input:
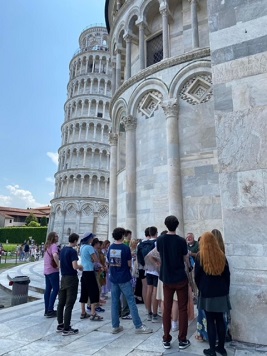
(238, 42)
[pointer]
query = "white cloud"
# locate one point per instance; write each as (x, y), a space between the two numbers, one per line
(5, 200)
(53, 156)
(51, 195)
(20, 198)
(50, 179)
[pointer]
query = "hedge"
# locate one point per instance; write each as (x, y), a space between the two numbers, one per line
(17, 235)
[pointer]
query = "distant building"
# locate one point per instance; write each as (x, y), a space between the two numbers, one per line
(16, 217)
(80, 202)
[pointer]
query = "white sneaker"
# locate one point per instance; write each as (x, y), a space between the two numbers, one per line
(117, 330)
(143, 330)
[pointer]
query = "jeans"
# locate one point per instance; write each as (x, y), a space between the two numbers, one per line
(182, 293)
(123, 306)
(51, 290)
(127, 290)
(67, 298)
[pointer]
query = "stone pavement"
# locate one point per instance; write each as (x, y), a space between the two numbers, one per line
(25, 331)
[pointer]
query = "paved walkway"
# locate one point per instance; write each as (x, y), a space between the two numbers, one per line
(25, 331)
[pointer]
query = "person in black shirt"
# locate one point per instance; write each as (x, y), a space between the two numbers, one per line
(212, 277)
(174, 255)
(69, 286)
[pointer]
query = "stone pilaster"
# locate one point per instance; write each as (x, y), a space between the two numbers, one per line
(113, 140)
(170, 109)
(194, 23)
(130, 124)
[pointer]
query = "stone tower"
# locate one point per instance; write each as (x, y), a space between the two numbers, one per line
(82, 181)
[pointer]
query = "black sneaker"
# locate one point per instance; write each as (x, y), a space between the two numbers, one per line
(60, 328)
(166, 344)
(70, 332)
(51, 314)
(221, 351)
(209, 352)
(184, 344)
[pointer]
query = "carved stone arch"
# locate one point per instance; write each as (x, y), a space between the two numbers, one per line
(147, 86)
(132, 13)
(146, 6)
(119, 30)
(193, 83)
(119, 110)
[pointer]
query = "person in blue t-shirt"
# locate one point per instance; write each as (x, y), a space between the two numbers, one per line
(120, 259)
(89, 286)
(69, 286)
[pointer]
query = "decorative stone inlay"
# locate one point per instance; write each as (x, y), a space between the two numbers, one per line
(71, 210)
(87, 210)
(129, 122)
(150, 103)
(197, 90)
(103, 212)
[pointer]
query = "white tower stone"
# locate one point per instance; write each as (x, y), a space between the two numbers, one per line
(80, 202)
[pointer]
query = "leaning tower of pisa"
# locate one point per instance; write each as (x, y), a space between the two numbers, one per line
(80, 201)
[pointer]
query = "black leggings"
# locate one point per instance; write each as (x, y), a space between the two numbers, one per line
(215, 326)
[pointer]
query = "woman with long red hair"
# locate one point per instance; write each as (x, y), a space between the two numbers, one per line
(212, 277)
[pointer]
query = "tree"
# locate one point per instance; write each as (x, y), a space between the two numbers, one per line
(33, 224)
(43, 221)
(30, 218)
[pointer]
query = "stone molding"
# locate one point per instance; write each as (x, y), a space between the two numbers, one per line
(164, 64)
(129, 122)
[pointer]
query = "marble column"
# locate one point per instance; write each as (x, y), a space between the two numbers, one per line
(128, 39)
(118, 68)
(170, 109)
(165, 32)
(141, 45)
(194, 23)
(130, 124)
(113, 140)
(113, 77)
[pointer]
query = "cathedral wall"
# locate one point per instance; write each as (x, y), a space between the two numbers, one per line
(238, 38)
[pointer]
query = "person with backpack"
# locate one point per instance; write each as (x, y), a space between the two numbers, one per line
(152, 276)
(141, 265)
(120, 262)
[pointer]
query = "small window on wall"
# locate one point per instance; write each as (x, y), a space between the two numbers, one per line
(10, 221)
(154, 50)
(99, 114)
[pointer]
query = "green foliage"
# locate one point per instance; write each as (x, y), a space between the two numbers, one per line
(33, 224)
(10, 247)
(43, 221)
(30, 218)
(17, 235)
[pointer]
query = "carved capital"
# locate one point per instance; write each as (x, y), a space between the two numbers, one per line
(127, 37)
(113, 139)
(129, 122)
(170, 107)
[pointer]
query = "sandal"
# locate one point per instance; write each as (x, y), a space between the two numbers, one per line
(96, 317)
(199, 338)
(127, 317)
(84, 316)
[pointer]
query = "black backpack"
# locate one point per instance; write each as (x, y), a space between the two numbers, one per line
(143, 249)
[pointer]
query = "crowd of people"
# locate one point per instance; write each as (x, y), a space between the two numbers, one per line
(166, 272)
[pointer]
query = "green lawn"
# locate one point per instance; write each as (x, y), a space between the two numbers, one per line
(7, 265)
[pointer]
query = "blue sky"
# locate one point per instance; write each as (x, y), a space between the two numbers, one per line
(37, 41)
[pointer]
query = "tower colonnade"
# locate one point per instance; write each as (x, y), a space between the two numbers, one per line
(80, 202)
